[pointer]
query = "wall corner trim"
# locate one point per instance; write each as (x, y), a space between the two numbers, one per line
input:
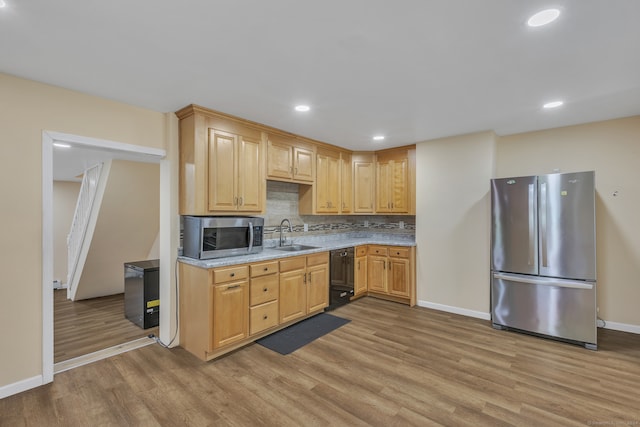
(20, 386)
(454, 310)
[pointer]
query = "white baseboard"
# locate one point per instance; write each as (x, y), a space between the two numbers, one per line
(624, 327)
(20, 386)
(455, 310)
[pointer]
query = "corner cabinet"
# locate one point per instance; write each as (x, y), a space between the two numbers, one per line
(392, 182)
(391, 273)
(221, 165)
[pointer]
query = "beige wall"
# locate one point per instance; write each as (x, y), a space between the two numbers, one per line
(26, 109)
(612, 150)
(452, 205)
(126, 228)
(65, 196)
(453, 210)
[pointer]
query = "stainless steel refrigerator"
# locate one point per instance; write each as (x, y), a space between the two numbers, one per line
(543, 256)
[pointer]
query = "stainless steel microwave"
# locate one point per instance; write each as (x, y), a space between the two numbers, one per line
(208, 237)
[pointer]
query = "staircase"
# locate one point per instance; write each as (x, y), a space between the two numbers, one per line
(84, 220)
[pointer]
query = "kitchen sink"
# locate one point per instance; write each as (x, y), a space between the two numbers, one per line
(294, 248)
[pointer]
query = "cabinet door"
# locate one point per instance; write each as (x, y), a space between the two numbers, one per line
(293, 295)
(346, 183)
(360, 275)
(303, 164)
(384, 176)
(327, 184)
(230, 313)
(363, 183)
(222, 171)
(317, 287)
(377, 273)
(279, 160)
(399, 186)
(398, 277)
(251, 182)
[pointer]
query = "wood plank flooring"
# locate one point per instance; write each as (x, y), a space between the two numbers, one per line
(82, 327)
(390, 366)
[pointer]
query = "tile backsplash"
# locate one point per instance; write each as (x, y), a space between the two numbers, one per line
(282, 202)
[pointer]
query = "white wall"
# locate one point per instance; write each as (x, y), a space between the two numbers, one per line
(452, 205)
(65, 196)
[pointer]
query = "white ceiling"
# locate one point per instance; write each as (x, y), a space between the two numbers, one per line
(412, 70)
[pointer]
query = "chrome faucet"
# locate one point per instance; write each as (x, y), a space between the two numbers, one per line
(290, 229)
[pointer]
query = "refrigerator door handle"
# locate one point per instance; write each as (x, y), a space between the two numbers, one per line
(543, 223)
(531, 223)
(546, 281)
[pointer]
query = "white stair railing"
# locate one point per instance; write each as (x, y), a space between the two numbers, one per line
(84, 207)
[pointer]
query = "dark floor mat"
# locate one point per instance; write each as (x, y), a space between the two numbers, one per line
(295, 336)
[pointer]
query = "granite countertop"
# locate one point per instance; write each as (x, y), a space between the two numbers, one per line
(322, 243)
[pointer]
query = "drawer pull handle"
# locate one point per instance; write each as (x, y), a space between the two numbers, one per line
(266, 269)
(233, 287)
(233, 274)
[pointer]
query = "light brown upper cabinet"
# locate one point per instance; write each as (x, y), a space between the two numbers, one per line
(328, 189)
(221, 164)
(346, 183)
(290, 160)
(392, 182)
(363, 182)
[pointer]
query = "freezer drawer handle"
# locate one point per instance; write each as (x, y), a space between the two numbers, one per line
(560, 283)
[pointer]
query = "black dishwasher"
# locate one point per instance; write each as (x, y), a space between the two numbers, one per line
(341, 277)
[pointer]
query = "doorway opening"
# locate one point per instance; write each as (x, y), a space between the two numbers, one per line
(83, 153)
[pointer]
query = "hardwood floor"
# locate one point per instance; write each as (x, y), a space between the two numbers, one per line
(390, 366)
(82, 327)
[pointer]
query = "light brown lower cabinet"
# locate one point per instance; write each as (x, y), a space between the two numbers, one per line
(222, 309)
(360, 273)
(391, 273)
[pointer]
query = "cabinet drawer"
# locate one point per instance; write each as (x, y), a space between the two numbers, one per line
(264, 268)
(263, 317)
(290, 264)
(361, 251)
(317, 259)
(378, 250)
(264, 289)
(396, 252)
(221, 275)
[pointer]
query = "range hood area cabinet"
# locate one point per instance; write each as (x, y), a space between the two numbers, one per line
(221, 165)
(290, 160)
(333, 189)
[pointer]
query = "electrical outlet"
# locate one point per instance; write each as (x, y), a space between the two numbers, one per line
(401, 224)
(306, 227)
(366, 224)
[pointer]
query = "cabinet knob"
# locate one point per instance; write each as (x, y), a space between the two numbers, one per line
(266, 269)
(265, 289)
(233, 274)
(265, 317)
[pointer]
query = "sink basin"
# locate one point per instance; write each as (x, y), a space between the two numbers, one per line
(294, 248)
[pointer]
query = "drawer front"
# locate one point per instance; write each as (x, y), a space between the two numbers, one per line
(399, 252)
(263, 317)
(264, 268)
(378, 250)
(290, 264)
(361, 251)
(264, 289)
(317, 259)
(221, 275)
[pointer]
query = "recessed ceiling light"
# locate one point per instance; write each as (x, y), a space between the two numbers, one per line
(554, 104)
(2, 4)
(302, 108)
(59, 144)
(378, 137)
(543, 17)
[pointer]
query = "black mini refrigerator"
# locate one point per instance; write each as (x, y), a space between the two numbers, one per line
(142, 292)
